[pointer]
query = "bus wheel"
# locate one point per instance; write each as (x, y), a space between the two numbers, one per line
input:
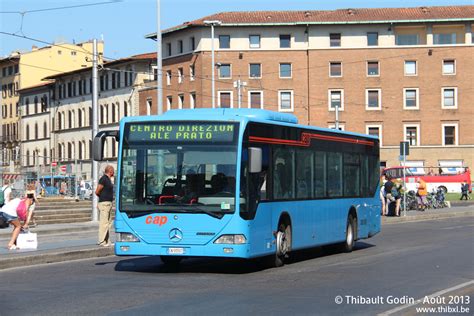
(349, 242)
(283, 244)
(171, 261)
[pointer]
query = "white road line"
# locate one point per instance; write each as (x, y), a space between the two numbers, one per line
(418, 301)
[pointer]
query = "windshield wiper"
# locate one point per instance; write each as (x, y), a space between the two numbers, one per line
(217, 215)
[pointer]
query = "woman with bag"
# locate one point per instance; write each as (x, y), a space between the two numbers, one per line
(13, 212)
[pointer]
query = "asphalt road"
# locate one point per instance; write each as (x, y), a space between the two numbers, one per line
(407, 261)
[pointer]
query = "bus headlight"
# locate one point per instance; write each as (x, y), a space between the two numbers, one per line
(126, 237)
(231, 239)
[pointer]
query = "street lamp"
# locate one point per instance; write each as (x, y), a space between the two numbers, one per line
(212, 24)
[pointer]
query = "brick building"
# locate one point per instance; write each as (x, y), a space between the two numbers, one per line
(400, 73)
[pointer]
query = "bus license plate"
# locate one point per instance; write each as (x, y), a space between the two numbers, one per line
(175, 251)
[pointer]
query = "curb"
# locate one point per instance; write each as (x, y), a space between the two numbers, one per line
(57, 231)
(425, 217)
(54, 257)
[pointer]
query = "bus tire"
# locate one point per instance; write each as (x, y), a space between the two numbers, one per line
(283, 247)
(171, 261)
(349, 242)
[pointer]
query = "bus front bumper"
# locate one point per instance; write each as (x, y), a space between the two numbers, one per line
(209, 250)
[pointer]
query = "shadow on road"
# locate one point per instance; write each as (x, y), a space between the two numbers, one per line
(153, 264)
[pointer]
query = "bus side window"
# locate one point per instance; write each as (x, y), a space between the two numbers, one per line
(334, 171)
(320, 174)
(283, 173)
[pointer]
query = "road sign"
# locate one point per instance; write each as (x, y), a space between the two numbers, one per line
(54, 164)
(404, 149)
(63, 168)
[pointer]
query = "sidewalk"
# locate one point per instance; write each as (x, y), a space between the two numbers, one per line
(64, 242)
(457, 209)
(56, 243)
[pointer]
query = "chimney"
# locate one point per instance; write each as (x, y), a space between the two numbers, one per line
(34, 47)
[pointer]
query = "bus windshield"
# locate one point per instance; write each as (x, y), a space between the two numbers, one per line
(178, 176)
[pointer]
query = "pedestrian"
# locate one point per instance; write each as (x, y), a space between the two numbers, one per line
(105, 192)
(421, 194)
(5, 193)
(465, 191)
(13, 212)
(388, 194)
(383, 180)
(31, 194)
(396, 193)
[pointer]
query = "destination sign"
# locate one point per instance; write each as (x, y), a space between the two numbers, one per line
(180, 132)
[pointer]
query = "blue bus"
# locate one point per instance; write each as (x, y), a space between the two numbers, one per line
(240, 183)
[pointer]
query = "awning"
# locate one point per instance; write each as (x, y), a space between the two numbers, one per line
(10, 176)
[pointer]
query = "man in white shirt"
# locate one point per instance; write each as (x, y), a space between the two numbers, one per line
(7, 192)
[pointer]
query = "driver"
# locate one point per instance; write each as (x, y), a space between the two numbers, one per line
(219, 183)
(191, 189)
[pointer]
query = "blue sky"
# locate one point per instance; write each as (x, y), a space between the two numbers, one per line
(123, 24)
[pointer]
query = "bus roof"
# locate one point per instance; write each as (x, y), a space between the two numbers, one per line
(255, 115)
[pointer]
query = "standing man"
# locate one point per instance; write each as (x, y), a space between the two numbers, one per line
(105, 192)
(6, 193)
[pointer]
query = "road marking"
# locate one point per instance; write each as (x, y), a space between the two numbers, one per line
(418, 301)
(456, 227)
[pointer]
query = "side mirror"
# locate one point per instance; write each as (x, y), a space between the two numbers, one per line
(99, 141)
(255, 159)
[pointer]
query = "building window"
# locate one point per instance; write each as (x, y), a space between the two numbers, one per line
(285, 41)
(372, 39)
(335, 39)
(407, 39)
(225, 71)
(169, 102)
(168, 77)
(410, 97)
(192, 100)
(449, 96)
(374, 130)
(168, 49)
(285, 70)
(285, 101)
(149, 104)
(450, 134)
(180, 101)
(373, 99)
(335, 69)
(114, 82)
(191, 73)
(256, 99)
(254, 41)
(336, 98)
(410, 68)
(449, 67)
(180, 46)
(255, 71)
(180, 75)
(373, 68)
(412, 135)
(192, 43)
(225, 99)
(444, 39)
(342, 127)
(224, 41)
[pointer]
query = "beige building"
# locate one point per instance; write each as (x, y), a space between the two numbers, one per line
(70, 110)
(404, 74)
(21, 70)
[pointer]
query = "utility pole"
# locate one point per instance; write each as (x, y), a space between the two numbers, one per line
(159, 63)
(239, 84)
(213, 64)
(95, 129)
